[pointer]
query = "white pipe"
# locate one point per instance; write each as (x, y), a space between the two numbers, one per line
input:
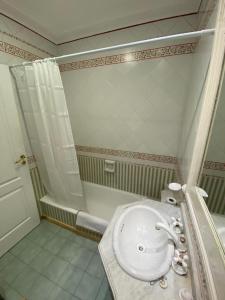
(137, 43)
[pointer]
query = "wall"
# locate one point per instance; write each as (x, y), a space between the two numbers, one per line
(126, 105)
(130, 101)
(18, 44)
(213, 175)
(194, 100)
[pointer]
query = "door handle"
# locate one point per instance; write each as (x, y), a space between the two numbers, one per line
(21, 160)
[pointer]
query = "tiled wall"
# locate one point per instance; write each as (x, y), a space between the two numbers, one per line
(215, 188)
(142, 179)
(193, 101)
(130, 99)
(213, 177)
(116, 101)
(18, 44)
(137, 173)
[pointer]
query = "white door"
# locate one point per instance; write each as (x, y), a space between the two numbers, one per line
(18, 210)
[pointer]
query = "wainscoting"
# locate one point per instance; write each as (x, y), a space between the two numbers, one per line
(215, 187)
(142, 179)
(39, 189)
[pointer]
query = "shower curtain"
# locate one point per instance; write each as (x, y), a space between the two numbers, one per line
(43, 102)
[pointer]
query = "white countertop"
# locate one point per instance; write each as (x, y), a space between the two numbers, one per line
(125, 287)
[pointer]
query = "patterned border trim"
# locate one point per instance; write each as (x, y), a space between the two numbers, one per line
(120, 153)
(214, 165)
(128, 154)
(23, 41)
(106, 60)
(141, 55)
(16, 51)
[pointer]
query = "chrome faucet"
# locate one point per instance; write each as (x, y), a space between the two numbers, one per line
(174, 237)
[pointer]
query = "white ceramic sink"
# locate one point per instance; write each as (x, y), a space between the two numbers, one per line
(142, 251)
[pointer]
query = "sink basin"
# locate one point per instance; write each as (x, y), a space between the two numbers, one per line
(142, 251)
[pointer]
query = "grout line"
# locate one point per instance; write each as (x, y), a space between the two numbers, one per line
(54, 255)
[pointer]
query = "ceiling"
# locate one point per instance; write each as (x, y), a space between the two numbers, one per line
(64, 20)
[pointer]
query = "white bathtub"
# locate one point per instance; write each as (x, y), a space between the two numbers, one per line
(102, 201)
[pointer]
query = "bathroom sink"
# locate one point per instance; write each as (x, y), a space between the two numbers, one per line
(142, 251)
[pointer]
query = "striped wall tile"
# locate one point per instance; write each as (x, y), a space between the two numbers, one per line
(215, 188)
(58, 214)
(134, 178)
(39, 190)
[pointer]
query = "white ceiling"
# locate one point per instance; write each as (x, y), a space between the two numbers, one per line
(64, 20)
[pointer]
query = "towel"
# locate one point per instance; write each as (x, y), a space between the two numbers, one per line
(91, 222)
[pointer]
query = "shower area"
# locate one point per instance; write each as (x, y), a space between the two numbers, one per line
(109, 126)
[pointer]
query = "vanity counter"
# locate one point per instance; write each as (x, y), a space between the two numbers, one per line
(125, 287)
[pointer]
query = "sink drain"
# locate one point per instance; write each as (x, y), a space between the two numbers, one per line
(140, 248)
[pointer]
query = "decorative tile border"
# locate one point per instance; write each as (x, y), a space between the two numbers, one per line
(105, 60)
(27, 43)
(215, 188)
(119, 153)
(128, 154)
(213, 165)
(141, 55)
(16, 51)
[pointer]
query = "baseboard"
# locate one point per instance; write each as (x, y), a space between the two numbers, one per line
(87, 233)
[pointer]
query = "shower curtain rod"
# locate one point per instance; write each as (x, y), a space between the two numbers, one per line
(121, 46)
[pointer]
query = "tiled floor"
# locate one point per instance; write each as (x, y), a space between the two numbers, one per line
(55, 264)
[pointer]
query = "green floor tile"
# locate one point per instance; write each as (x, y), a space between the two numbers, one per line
(70, 279)
(55, 269)
(40, 261)
(20, 246)
(78, 239)
(11, 294)
(81, 258)
(28, 254)
(103, 290)
(91, 245)
(41, 289)
(95, 267)
(88, 287)
(52, 263)
(25, 280)
(65, 233)
(60, 294)
(55, 244)
(12, 270)
(49, 226)
(40, 235)
(5, 260)
(68, 250)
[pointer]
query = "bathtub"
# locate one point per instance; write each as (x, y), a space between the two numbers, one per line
(101, 203)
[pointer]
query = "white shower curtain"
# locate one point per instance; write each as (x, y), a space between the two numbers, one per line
(47, 121)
